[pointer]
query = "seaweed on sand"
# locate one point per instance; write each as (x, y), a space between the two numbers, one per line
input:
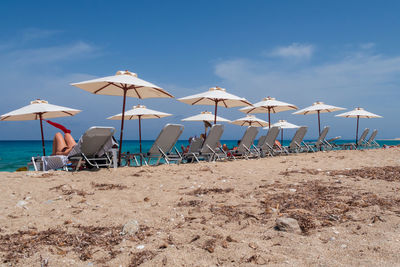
(315, 204)
(78, 239)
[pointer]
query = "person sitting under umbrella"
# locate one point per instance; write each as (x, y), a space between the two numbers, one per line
(62, 145)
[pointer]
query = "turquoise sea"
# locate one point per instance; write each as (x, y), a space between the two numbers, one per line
(16, 154)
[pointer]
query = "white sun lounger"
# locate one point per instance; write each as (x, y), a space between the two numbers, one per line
(319, 144)
(163, 145)
(371, 143)
(359, 143)
(267, 147)
(295, 145)
(194, 149)
(211, 149)
(244, 148)
(96, 148)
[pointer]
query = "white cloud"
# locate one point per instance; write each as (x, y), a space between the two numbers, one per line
(361, 79)
(367, 46)
(36, 33)
(22, 57)
(295, 50)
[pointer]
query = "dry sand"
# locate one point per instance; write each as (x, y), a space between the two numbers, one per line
(209, 214)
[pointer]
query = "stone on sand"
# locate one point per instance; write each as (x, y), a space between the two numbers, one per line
(287, 225)
(130, 228)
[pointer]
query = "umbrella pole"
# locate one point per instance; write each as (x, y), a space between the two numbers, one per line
(140, 138)
(358, 118)
(215, 112)
(122, 126)
(269, 117)
(282, 137)
(319, 125)
(41, 130)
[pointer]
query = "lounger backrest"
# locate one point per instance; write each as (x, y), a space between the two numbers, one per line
(372, 137)
(362, 137)
(298, 137)
(166, 139)
(261, 140)
(212, 139)
(93, 140)
(195, 145)
(248, 139)
(270, 138)
(322, 136)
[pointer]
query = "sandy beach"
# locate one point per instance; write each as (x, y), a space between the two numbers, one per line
(346, 203)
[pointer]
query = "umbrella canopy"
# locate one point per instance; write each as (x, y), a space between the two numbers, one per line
(317, 108)
(140, 112)
(216, 96)
(268, 105)
(123, 83)
(358, 113)
(206, 117)
(283, 124)
(250, 120)
(39, 110)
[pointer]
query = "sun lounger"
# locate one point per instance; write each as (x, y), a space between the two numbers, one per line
(296, 145)
(359, 143)
(267, 146)
(319, 144)
(330, 143)
(370, 143)
(96, 148)
(244, 148)
(163, 146)
(211, 149)
(194, 149)
(261, 140)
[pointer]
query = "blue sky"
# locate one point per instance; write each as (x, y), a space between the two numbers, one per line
(345, 53)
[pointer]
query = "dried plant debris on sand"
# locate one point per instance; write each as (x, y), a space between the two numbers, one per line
(140, 257)
(82, 240)
(105, 186)
(68, 190)
(387, 173)
(316, 204)
(206, 191)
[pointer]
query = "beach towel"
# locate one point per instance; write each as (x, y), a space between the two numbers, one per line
(54, 162)
(59, 126)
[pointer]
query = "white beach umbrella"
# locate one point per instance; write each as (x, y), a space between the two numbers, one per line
(123, 83)
(283, 124)
(358, 113)
(140, 112)
(250, 120)
(268, 105)
(205, 116)
(317, 108)
(216, 96)
(39, 110)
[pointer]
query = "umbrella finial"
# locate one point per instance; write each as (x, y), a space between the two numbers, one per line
(139, 106)
(39, 101)
(126, 72)
(268, 98)
(217, 88)
(318, 103)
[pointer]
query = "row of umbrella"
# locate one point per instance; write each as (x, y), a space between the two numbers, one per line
(127, 84)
